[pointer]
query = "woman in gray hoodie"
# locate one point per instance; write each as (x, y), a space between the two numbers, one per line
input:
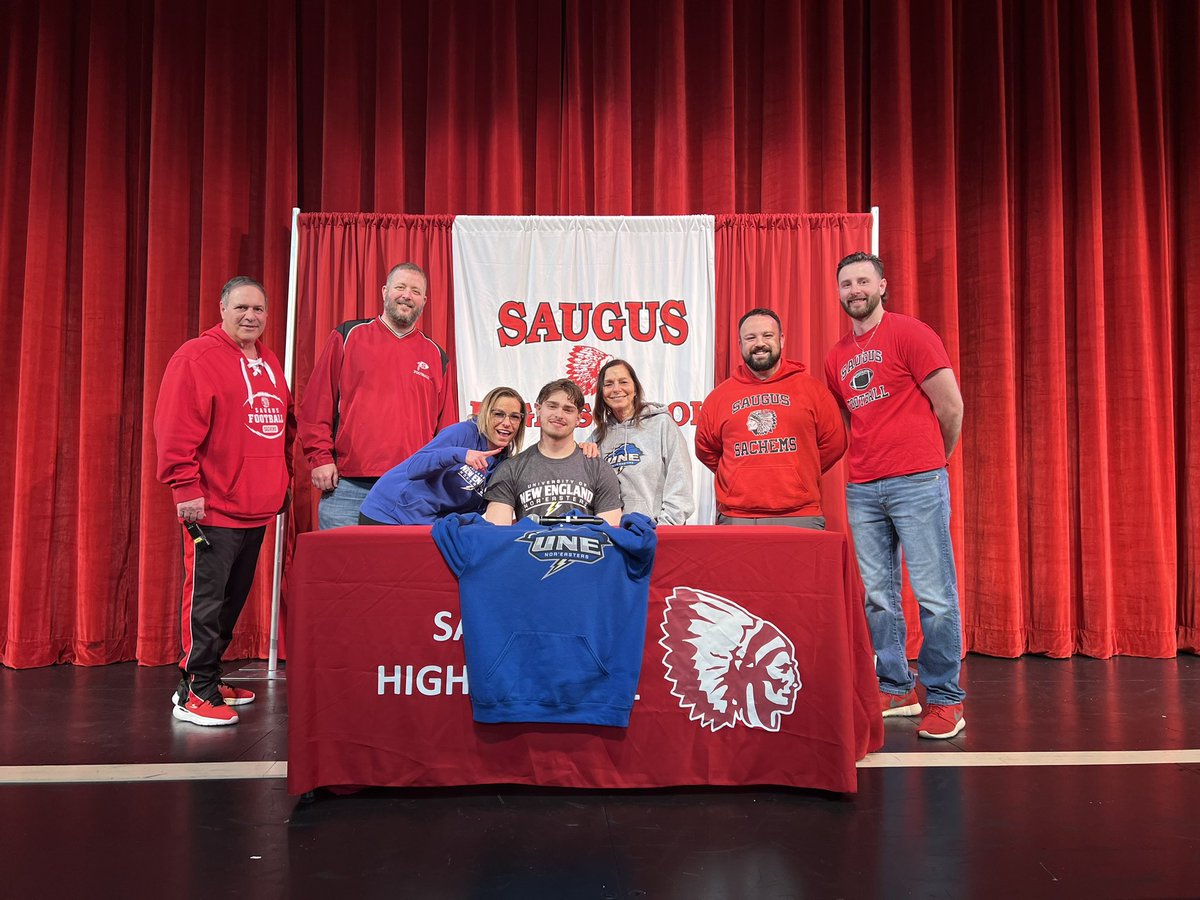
(644, 446)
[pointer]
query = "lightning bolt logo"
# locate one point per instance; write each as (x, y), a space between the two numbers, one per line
(557, 567)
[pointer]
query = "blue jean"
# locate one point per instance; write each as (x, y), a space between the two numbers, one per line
(340, 506)
(910, 512)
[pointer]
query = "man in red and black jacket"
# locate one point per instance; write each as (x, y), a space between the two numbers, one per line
(375, 398)
(223, 426)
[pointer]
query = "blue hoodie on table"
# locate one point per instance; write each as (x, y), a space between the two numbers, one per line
(553, 616)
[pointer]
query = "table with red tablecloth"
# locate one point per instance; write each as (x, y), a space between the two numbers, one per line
(757, 669)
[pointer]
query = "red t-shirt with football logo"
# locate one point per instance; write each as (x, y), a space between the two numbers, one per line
(893, 429)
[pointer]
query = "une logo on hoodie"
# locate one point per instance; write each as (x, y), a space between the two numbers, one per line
(623, 455)
(561, 550)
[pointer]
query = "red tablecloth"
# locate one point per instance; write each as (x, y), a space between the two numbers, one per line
(757, 669)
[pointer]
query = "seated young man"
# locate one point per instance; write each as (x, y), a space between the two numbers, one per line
(553, 477)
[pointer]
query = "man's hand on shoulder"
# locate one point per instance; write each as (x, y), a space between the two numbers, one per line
(190, 510)
(590, 450)
(325, 478)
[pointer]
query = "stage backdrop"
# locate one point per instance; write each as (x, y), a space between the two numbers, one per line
(539, 297)
(782, 261)
(785, 262)
(1034, 161)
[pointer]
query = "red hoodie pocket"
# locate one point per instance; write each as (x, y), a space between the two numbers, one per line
(769, 491)
(259, 488)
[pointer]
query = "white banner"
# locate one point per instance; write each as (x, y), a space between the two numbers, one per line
(543, 297)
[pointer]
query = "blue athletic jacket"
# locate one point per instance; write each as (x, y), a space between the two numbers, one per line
(433, 482)
(553, 617)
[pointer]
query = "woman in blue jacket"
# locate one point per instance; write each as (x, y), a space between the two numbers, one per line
(449, 473)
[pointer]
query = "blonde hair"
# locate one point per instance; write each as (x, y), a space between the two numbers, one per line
(483, 420)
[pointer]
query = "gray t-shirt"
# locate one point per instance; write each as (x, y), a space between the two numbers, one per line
(535, 484)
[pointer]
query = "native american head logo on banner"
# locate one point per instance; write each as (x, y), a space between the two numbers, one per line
(538, 298)
(727, 665)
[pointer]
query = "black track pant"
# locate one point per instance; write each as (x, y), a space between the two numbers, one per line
(216, 582)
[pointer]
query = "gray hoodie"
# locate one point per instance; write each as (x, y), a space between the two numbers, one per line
(653, 465)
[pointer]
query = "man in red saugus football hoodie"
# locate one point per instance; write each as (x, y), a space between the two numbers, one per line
(768, 433)
(224, 427)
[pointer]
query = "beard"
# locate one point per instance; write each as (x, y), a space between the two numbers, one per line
(762, 364)
(402, 316)
(872, 304)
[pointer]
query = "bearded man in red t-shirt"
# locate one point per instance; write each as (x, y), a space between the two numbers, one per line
(892, 377)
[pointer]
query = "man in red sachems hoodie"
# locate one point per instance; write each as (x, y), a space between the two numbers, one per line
(892, 377)
(224, 427)
(374, 399)
(768, 433)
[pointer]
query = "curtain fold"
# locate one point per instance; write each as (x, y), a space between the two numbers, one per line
(582, 107)
(1033, 162)
(147, 157)
(1183, 202)
(1026, 217)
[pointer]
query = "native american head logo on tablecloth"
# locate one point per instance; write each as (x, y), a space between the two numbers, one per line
(726, 664)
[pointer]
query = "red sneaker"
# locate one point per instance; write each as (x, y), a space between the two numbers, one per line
(200, 712)
(942, 722)
(899, 705)
(233, 696)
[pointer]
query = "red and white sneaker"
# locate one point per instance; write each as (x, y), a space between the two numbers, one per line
(200, 712)
(233, 696)
(942, 722)
(899, 704)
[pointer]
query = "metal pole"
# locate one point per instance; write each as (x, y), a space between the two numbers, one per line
(289, 362)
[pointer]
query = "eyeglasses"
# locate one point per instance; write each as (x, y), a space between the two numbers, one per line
(515, 418)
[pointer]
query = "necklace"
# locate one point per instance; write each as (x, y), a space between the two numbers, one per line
(874, 331)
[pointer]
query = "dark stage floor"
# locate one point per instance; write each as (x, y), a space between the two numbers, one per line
(1053, 790)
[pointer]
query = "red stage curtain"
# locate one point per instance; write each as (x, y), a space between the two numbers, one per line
(1034, 163)
(1182, 137)
(147, 156)
(582, 107)
(1039, 193)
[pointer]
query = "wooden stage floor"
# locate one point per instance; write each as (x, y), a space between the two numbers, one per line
(1073, 778)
